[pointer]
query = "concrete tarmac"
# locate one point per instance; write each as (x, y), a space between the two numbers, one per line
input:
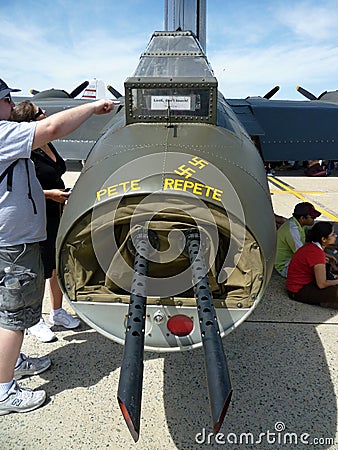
(282, 360)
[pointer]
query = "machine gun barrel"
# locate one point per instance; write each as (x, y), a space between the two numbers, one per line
(131, 376)
(218, 379)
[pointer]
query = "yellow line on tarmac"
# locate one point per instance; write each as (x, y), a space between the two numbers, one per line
(292, 191)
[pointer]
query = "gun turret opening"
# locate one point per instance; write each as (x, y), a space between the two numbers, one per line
(96, 259)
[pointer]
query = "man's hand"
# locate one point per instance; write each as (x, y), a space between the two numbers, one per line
(103, 106)
(65, 122)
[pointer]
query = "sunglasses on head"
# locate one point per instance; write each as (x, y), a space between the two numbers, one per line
(39, 113)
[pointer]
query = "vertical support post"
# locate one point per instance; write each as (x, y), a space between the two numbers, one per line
(186, 15)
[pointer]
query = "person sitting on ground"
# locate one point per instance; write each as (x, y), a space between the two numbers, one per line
(291, 235)
(315, 169)
(49, 168)
(307, 277)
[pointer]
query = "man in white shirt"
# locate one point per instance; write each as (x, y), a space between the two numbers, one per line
(22, 227)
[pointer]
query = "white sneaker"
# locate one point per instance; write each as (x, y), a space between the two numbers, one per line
(31, 366)
(62, 318)
(21, 400)
(42, 331)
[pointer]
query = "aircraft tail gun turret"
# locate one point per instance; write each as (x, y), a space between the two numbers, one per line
(172, 164)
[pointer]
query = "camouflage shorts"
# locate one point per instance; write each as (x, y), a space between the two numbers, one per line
(21, 308)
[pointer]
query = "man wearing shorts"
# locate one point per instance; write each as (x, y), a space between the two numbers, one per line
(22, 227)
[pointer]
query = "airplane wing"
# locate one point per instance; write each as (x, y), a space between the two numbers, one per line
(290, 130)
(282, 129)
(77, 145)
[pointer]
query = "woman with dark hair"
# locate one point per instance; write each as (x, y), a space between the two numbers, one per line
(306, 279)
(49, 168)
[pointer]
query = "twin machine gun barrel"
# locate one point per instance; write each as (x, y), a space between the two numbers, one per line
(131, 375)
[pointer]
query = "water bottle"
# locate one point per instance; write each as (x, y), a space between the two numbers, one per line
(10, 280)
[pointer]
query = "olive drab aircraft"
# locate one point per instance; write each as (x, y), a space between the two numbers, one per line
(167, 242)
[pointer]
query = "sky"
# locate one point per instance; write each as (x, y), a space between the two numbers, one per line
(252, 45)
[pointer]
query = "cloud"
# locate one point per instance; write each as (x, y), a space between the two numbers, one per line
(246, 72)
(46, 64)
(59, 44)
(250, 48)
(279, 43)
(307, 20)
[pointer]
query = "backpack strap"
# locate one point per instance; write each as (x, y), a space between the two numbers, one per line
(29, 188)
(9, 173)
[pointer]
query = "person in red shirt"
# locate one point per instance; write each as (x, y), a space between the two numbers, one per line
(306, 279)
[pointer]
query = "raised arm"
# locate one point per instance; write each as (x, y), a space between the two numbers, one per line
(65, 122)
